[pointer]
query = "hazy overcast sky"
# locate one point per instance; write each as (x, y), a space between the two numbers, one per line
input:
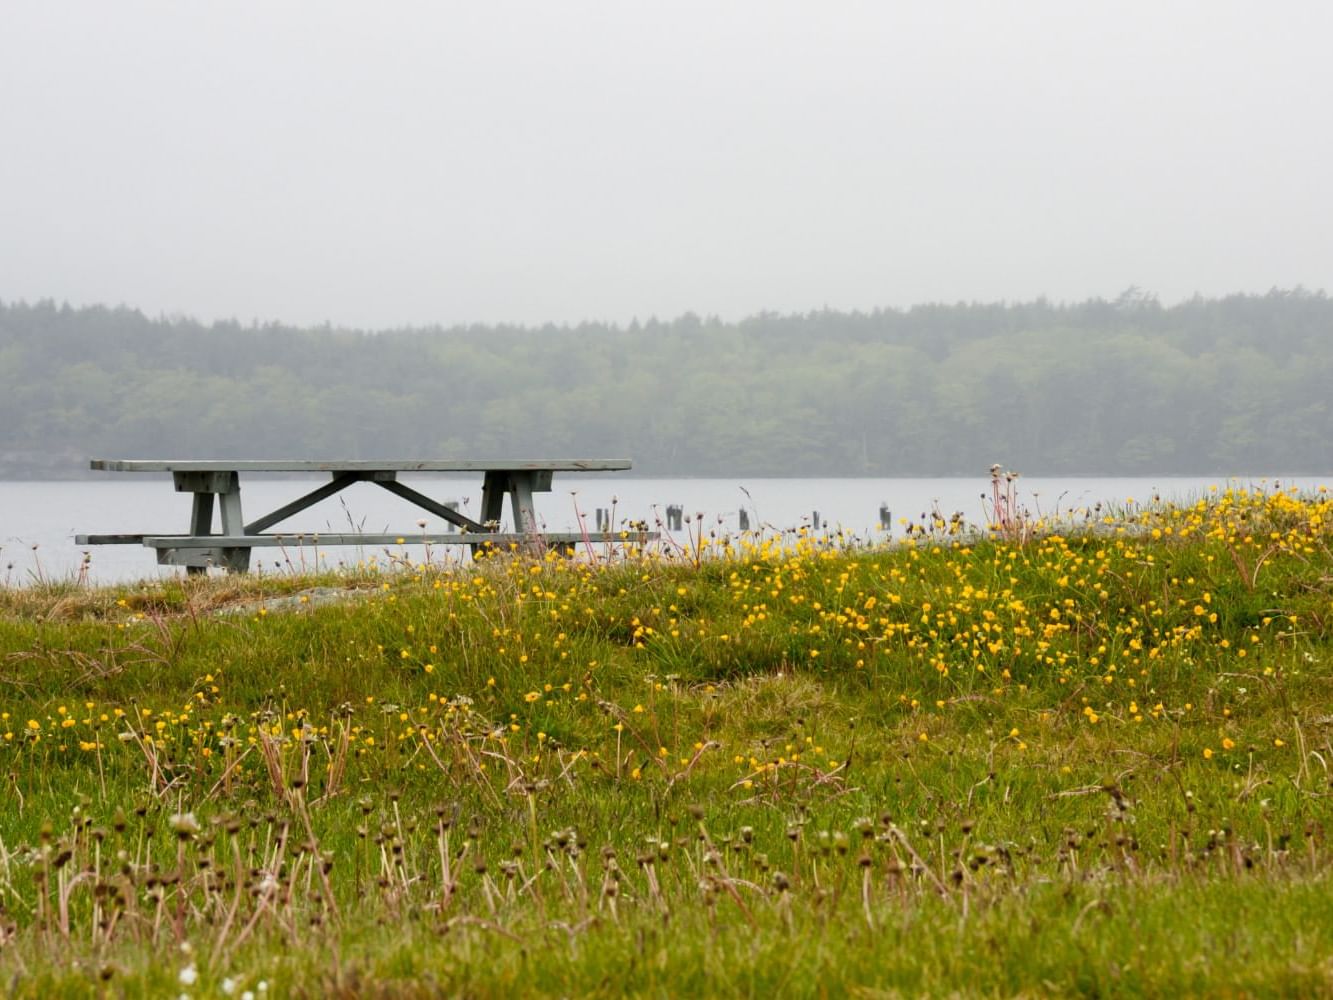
(378, 163)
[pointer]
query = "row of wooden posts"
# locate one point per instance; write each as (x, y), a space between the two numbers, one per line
(675, 518)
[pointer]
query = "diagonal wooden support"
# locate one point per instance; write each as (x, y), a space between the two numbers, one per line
(340, 482)
(426, 503)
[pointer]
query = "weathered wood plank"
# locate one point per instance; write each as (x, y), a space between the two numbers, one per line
(499, 539)
(386, 465)
(204, 482)
(196, 561)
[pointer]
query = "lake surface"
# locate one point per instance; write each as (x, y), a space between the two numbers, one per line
(38, 520)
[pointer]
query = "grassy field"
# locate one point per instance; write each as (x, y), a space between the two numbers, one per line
(1089, 758)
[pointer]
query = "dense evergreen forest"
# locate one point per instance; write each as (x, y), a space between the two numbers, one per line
(1210, 386)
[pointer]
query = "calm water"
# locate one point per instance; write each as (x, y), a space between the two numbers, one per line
(38, 520)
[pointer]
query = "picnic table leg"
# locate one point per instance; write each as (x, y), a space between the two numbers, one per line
(493, 487)
(520, 486)
(233, 523)
(226, 487)
(201, 523)
(520, 494)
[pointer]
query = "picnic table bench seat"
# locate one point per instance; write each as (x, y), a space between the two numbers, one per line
(217, 482)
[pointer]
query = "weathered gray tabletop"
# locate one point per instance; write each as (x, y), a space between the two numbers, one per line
(220, 482)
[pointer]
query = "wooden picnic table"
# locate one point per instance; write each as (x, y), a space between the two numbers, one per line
(218, 483)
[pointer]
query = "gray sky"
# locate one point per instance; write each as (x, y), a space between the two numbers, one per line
(376, 164)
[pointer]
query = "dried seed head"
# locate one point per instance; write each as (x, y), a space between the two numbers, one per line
(184, 825)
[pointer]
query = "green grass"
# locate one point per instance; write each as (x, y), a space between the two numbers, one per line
(1094, 764)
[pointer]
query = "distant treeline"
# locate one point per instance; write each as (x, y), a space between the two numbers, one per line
(1211, 386)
